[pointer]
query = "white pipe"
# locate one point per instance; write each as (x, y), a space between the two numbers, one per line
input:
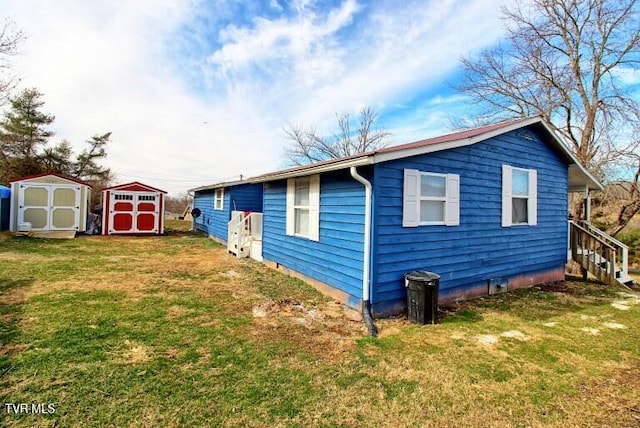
(366, 265)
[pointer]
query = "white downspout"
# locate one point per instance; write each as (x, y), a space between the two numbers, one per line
(366, 265)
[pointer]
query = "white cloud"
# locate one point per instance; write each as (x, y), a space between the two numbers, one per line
(212, 105)
(627, 75)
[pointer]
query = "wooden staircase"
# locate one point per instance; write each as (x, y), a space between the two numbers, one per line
(603, 256)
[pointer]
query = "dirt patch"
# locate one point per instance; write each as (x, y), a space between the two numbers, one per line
(326, 330)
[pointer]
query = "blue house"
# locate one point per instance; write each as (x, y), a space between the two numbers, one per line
(486, 209)
(216, 203)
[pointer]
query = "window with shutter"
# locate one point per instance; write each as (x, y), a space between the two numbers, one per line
(519, 196)
(430, 199)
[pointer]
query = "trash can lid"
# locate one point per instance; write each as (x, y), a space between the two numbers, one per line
(421, 275)
(5, 192)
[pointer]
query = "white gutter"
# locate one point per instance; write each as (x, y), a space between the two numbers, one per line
(366, 264)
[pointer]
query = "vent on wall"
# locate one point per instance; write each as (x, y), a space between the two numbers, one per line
(497, 285)
(527, 135)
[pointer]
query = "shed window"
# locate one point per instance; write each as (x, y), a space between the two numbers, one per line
(430, 199)
(218, 199)
(121, 197)
(519, 196)
(303, 203)
(147, 198)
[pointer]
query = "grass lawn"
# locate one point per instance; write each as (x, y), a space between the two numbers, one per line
(173, 331)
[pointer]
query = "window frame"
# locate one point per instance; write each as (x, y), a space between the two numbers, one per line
(313, 208)
(412, 197)
(442, 199)
(297, 208)
(218, 199)
(508, 196)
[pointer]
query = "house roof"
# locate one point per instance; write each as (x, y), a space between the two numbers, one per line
(579, 177)
(55, 174)
(134, 186)
(220, 185)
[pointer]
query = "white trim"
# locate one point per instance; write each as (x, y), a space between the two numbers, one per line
(218, 198)
(452, 204)
(290, 216)
(313, 208)
(410, 202)
(334, 165)
(507, 196)
(390, 153)
(412, 196)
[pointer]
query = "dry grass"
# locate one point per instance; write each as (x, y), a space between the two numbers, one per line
(172, 331)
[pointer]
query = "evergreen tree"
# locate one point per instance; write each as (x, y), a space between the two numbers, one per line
(23, 135)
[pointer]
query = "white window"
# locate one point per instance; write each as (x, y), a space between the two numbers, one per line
(430, 199)
(218, 199)
(303, 207)
(519, 196)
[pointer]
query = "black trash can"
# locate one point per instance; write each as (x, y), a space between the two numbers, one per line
(422, 296)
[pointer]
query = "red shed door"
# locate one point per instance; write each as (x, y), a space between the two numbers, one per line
(134, 212)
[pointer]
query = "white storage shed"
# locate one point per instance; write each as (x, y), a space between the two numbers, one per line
(49, 202)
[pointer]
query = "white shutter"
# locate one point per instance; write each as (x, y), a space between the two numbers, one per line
(411, 198)
(452, 208)
(314, 207)
(533, 197)
(506, 195)
(291, 195)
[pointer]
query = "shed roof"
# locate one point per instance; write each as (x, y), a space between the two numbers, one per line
(54, 174)
(134, 186)
(579, 177)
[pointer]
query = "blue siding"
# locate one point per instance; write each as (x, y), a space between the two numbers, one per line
(246, 197)
(336, 259)
(479, 248)
(243, 197)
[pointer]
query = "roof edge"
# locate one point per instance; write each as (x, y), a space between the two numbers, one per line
(366, 159)
(55, 174)
(134, 183)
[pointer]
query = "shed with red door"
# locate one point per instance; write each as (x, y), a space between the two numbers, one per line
(133, 209)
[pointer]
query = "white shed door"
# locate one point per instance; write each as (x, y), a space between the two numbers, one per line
(49, 206)
(134, 212)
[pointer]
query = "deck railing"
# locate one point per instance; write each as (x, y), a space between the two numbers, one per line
(622, 250)
(595, 252)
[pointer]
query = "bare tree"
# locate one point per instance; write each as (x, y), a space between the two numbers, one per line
(562, 60)
(307, 146)
(9, 41)
(565, 60)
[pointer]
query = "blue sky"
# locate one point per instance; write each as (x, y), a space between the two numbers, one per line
(199, 91)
